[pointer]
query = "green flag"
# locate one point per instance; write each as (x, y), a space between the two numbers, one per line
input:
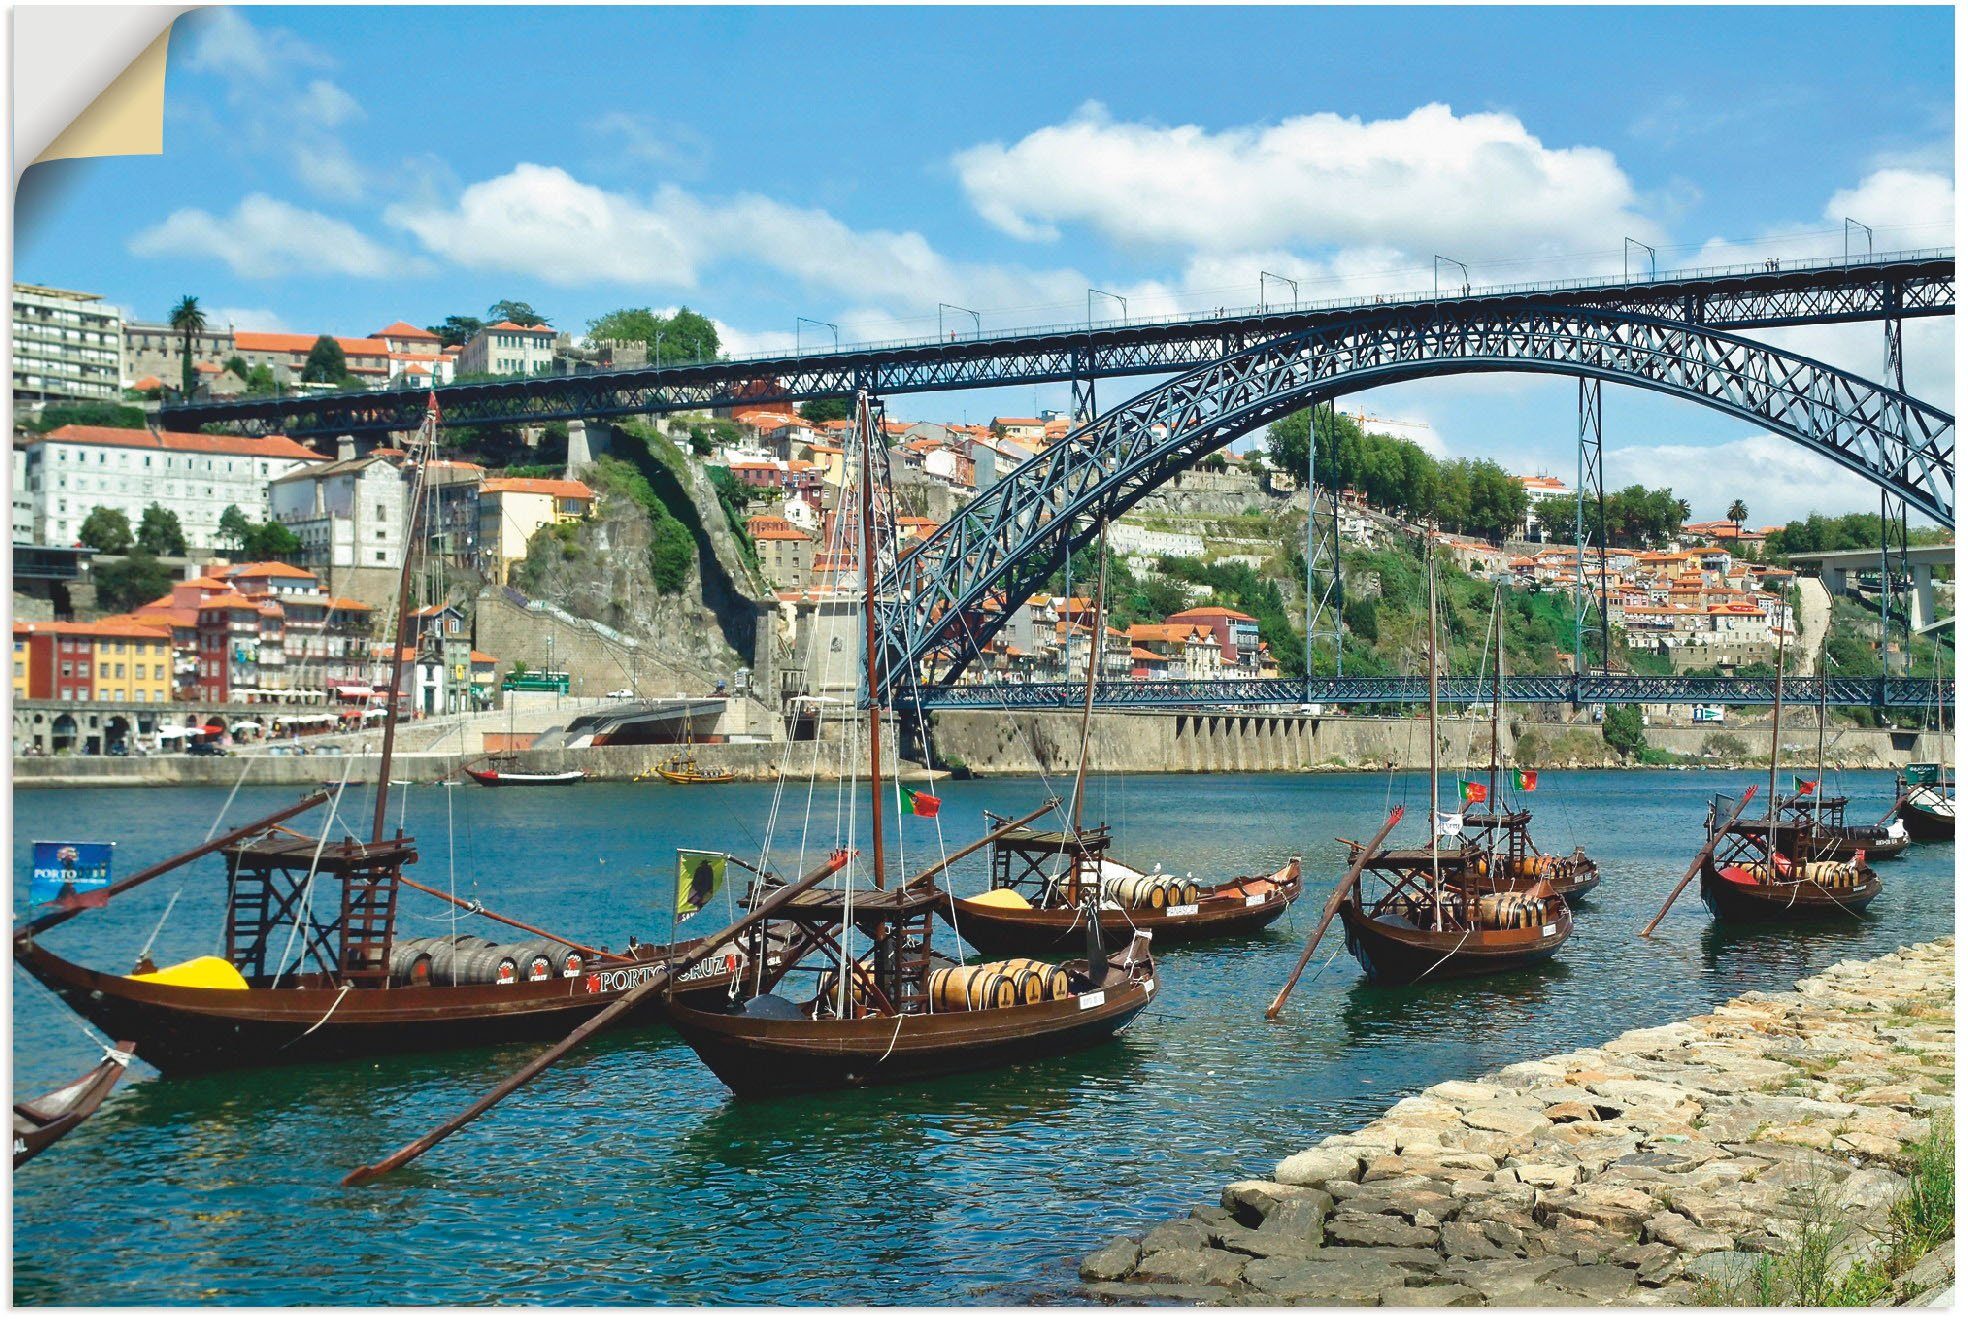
(699, 876)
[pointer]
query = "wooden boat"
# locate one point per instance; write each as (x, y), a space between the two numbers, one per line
(1036, 903)
(494, 776)
(1926, 797)
(311, 967)
(1746, 873)
(685, 770)
(1814, 828)
(41, 1122)
(1044, 882)
(1743, 879)
(1428, 913)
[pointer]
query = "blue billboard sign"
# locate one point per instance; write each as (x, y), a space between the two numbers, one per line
(71, 875)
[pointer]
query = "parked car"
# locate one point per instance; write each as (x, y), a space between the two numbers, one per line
(622, 694)
(119, 749)
(206, 749)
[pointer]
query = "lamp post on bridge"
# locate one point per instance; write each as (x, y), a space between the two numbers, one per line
(799, 321)
(1626, 249)
(1264, 275)
(1850, 225)
(975, 318)
(1438, 274)
(1104, 294)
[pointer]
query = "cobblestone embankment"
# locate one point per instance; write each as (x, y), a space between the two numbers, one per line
(1655, 1169)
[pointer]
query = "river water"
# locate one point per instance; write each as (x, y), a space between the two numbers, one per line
(631, 1175)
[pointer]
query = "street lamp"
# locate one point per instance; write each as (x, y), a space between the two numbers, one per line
(1104, 294)
(1851, 224)
(799, 321)
(1438, 274)
(975, 318)
(1264, 275)
(1626, 247)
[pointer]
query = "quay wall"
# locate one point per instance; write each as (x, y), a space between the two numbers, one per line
(1669, 1166)
(995, 742)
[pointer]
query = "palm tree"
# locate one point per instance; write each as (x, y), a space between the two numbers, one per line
(189, 320)
(1737, 512)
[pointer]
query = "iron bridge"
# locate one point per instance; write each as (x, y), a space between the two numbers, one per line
(1411, 690)
(1890, 286)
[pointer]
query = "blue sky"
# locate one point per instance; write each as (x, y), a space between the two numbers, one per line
(340, 168)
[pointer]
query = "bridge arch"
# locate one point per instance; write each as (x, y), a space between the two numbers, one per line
(1015, 534)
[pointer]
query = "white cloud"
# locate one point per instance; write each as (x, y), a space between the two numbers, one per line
(1779, 479)
(1428, 182)
(224, 43)
(540, 220)
(265, 238)
(651, 141)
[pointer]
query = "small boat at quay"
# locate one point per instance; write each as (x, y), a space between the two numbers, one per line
(41, 1122)
(496, 774)
(1926, 794)
(684, 769)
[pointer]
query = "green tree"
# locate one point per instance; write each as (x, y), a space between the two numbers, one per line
(821, 411)
(92, 413)
(237, 366)
(234, 527)
(270, 540)
(1623, 730)
(683, 337)
(159, 532)
(188, 320)
(326, 363)
(107, 530)
(260, 380)
(519, 313)
(127, 583)
(454, 331)
(1362, 618)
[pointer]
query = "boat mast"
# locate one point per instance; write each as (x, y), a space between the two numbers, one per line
(426, 436)
(1496, 705)
(1776, 739)
(1095, 644)
(1434, 781)
(866, 427)
(1824, 681)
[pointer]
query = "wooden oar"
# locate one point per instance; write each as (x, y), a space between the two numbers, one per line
(540, 1063)
(51, 919)
(1700, 858)
(1899, 803)
(1332, 907)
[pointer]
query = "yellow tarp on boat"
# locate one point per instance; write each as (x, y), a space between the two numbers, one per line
(1001, 898)
(206, 973)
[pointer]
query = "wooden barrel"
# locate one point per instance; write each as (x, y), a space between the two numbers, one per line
(1027, 977)
(860, 982)
(490, 965)
(534, 960)
(449, 954)
(958, 989)
(566, 960)
(410, 962)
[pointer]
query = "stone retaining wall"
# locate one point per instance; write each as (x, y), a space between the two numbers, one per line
(1627, 1174)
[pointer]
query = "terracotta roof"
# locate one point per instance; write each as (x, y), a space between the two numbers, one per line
(114, 626)
(557, 487)
(779, 534)
(1212, 612)
(269, 568)
(186, 442)
(229, 600)
(530, 329)
(148, 383)
(253, 341)
(404, 330)
(344, 603)
(480, 658)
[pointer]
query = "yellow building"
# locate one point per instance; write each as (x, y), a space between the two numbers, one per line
(132, 661)
(512, 509)
(21, 634)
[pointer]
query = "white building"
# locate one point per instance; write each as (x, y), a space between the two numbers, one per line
(507, 349)
(1418, 433)
(1128, 538)
(67, 345)
(75, 469)
(347, 514)
(23, 505)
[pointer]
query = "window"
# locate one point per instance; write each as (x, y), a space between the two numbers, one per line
(68, 669)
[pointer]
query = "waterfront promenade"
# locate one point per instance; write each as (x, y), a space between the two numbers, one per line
(1694, 1162)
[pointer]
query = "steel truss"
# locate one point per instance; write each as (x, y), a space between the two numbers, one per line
(1566, 689)
(1869, 290)
(958, 586)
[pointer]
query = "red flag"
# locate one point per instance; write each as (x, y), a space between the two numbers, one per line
(922, 804)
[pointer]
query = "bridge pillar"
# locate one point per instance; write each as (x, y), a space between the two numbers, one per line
(1920, 603)
(578, 456)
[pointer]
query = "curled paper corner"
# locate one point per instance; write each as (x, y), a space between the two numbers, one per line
(127, 117)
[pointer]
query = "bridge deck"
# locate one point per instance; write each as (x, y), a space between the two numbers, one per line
(1591, 689)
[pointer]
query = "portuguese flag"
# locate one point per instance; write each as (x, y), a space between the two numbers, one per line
(922, 804)
(1526, 780)
(1473, 792)
(1804, 785)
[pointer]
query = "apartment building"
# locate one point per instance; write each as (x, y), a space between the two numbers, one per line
(68, 346)
(507, 349)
